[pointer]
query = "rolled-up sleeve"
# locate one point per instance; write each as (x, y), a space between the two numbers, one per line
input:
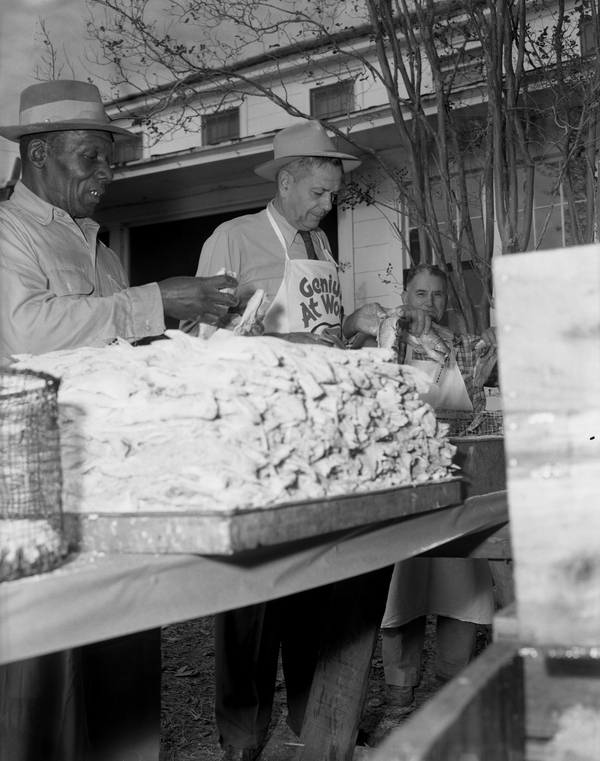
(53, 295)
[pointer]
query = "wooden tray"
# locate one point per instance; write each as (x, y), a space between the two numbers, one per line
(223, 533)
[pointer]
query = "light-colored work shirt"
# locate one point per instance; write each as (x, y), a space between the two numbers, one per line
(249, 247)
(60, 287)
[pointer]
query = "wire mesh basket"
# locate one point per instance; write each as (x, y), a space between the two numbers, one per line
(468, 423)
(31, 531)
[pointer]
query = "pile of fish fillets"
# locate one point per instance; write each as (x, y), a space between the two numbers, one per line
(236, 422)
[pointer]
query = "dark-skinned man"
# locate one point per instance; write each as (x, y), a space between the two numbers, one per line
(61, 288)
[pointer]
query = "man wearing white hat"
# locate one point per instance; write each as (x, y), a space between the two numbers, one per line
(282, 251)
(60, 286)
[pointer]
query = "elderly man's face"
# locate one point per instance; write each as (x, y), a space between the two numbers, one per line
(304, 202)
(428, 292)
(77, 171)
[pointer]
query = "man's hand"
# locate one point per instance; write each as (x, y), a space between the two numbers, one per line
(419, 318)
(489, 337)
(364, 320)
(198, 298)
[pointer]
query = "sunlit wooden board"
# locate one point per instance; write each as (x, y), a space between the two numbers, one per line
(548, 309)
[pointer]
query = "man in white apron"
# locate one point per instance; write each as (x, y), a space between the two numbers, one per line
(282, 251)
(457, 590)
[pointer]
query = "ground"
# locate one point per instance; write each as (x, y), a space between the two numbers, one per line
(188, 730)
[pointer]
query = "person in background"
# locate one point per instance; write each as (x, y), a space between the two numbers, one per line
(282, 251)
(457, 590)
(61, 288)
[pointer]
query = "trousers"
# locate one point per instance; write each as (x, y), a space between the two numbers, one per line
(402, 649)
(247, 645)
(91, 703)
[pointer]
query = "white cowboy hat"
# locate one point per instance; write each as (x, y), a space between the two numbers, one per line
(306, 139)
(62, 104)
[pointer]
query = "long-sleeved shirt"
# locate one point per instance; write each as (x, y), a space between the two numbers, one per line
(60, 287)
(249, 247)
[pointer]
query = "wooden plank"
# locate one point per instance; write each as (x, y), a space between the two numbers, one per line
(229, 533)
(479, 715)
(553, 485)
(549, 359)
(548, 309)
(493, 544)
(342, 676)
(101, 595)
(505, 626)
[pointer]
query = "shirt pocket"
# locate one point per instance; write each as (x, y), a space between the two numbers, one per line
(69, 281)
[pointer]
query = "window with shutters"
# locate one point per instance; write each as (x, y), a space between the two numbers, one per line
(332, 100)
(128, 150)
(222, 126)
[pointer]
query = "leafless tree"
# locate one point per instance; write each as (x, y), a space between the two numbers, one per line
(484, 96)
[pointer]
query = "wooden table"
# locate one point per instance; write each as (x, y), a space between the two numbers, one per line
(101, 596)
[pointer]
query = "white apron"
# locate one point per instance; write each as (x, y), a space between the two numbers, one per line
(455, 587)
(447, 390)
(309, 299)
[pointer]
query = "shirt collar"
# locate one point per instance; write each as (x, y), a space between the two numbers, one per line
(43, 211)
(288, 231)
(32, 203)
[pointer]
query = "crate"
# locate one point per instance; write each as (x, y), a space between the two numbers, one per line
(31, 530)
(513, 703)
(472, 424)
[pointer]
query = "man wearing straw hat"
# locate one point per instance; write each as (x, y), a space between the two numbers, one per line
(282, 251)
(60, 286)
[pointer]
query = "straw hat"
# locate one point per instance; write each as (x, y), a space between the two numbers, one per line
(63, 104)
(306, 139)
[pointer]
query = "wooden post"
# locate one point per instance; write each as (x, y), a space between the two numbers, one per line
(548, 306)
(341, 679)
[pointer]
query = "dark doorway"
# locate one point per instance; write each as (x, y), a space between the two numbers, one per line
(167, 249)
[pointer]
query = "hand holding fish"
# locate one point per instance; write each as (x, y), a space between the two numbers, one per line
(393, 330)
(487, 356)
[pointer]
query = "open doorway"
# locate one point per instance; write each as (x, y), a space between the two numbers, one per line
(168, 249)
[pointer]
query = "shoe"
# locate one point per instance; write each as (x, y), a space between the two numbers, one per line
(241, 754)
(399, 696)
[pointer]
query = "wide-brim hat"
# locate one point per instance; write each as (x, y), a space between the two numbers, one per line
(306, 139)
(63, 104)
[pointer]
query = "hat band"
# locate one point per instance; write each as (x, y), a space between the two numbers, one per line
(63, 111)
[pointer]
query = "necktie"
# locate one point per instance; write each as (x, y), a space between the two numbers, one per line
(310, 249)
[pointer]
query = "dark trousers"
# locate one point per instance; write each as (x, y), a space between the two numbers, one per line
(42, 709)
(93, 703)
(247, 644)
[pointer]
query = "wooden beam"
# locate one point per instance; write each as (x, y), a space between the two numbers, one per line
(493, 544)
(340, 684)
